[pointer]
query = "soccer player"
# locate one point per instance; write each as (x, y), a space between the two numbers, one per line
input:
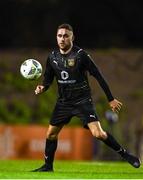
(70, 64)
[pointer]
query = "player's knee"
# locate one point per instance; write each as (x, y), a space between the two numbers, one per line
(101, 135)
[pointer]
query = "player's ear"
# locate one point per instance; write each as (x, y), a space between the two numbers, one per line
(73, 38)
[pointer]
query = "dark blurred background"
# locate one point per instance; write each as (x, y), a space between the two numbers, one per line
(97, 24)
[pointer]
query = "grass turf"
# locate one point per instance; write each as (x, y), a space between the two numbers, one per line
(20, 169)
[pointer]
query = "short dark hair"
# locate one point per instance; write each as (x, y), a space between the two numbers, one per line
(65, 26)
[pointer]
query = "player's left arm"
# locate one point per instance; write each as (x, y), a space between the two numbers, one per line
(92, 68)
(94, 71)
(115, 105)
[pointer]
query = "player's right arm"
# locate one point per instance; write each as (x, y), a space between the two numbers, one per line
(39, 89)
(48, 78)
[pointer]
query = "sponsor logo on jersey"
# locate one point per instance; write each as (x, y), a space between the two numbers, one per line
(71, 62)
(67, 81)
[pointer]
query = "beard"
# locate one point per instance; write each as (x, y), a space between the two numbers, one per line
(65, 47)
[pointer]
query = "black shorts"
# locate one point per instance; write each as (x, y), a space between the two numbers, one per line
(64, 111)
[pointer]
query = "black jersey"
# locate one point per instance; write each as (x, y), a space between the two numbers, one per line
(70, 71)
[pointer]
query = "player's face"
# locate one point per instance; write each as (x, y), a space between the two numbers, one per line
(64, 39)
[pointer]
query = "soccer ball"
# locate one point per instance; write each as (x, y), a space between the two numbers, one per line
(31, 69)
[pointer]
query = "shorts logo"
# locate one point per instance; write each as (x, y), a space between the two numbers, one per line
(92, 116)
(71, 62)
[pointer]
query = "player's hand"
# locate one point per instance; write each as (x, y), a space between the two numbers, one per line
(115, 105)
(39, 89)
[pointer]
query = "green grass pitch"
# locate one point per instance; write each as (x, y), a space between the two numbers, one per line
(20, 169)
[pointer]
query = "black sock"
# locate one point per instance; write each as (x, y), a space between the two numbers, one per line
(112, 143)
(50, 148)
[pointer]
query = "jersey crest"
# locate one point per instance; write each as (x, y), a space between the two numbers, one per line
(71, 62)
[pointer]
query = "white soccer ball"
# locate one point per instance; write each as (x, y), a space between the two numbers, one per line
(31, 69)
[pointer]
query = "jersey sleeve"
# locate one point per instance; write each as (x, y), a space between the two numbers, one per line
(48, 74)
(94, 71)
